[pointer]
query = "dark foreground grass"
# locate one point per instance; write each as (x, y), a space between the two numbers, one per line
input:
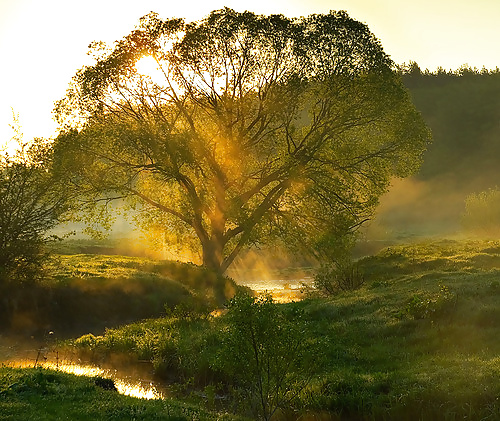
(419, 341)
(46, 395)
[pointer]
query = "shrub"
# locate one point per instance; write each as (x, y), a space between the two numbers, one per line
(432, 307)
(340, 276)
(264, 353)
(87, 341)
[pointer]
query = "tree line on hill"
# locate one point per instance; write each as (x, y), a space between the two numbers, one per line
(460, 172)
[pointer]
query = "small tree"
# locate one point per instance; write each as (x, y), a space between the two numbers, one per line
(265, 353)
(482, 213)
(31, 203)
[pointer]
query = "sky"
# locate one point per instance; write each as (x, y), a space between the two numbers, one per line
(44, 43)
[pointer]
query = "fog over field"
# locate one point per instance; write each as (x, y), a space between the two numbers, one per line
(463, 113)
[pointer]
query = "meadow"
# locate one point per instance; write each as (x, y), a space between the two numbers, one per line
(418, 340)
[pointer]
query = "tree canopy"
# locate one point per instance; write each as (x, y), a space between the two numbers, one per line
(250, 129)
(31, 203)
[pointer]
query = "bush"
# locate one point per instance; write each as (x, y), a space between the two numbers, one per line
(340, 276)
(432, 307)
(264, 353)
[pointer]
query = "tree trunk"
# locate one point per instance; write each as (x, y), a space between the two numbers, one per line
(212, 255)
(213, 260)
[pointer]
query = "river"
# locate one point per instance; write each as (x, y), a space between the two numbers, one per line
(133, 379)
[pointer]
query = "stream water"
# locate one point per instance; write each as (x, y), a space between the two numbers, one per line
(133, 379)
(282, 290)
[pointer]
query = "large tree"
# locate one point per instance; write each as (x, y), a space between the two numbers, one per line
(251, 128)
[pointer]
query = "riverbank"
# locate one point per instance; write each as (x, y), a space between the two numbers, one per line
(85, 293)
(131, 378)
(48, 395)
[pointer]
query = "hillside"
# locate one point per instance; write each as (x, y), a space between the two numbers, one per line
(463, 111)
(419, 340)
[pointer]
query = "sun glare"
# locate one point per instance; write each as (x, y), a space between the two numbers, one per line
(148, 66)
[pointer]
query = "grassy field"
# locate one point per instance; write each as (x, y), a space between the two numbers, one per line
(420, 340)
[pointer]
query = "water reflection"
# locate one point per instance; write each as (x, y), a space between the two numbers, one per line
(282, 290)
(143, 388)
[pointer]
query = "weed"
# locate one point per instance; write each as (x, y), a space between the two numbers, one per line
(432, 307)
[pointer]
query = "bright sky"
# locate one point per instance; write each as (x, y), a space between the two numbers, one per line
(43, 43)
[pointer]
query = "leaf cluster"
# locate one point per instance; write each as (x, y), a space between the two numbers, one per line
(31, 203)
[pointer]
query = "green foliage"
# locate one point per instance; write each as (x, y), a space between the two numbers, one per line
(261, 128)
(87, 341)
(265, 353)
(31, 203)
(179, 348)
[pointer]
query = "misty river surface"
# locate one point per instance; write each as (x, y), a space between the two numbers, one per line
(282, 290)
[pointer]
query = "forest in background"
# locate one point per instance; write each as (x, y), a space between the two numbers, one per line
(462, 109)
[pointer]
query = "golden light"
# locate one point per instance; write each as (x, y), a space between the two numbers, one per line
(148, 66)
(125, 386)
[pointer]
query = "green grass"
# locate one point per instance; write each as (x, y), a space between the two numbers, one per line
(46, 395)
(419, 340)
(91, 271)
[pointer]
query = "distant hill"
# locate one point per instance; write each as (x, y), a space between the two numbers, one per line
(462, 108)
